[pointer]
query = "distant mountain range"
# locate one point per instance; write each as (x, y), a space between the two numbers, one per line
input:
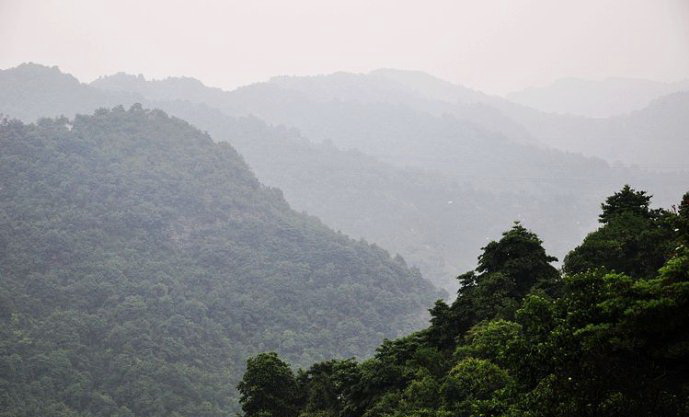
(329, 107)
(420, 166)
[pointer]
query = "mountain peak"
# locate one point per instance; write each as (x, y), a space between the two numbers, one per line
(39, 72)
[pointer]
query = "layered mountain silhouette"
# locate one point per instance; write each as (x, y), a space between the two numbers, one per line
(400, 158)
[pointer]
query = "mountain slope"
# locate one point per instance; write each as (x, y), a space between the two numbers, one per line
(31, 91)
(384, 120)
(141, 263)
(608, 338)
(431, 219)
(467, 183)
(330, 106)
(412, 119)
(653, 136)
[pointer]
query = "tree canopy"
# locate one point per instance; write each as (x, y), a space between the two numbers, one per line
(141, 264)
(523, 340)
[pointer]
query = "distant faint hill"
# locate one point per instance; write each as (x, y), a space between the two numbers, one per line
(609, 97)
(30, 91)
(284, 98)
(655, 137)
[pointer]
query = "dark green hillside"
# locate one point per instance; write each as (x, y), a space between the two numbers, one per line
(141, 264)
(608, 338)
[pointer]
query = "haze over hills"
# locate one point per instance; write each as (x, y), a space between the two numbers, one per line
(311, 104)
(142, 263)
(604, 98)
(413, 172)
(401, 118)
(625, 139)
(349, 208)
(447, 184)
(412, 89)
(654, 137)
(32, 91)
(408, 124)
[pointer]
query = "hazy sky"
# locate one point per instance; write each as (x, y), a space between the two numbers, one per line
(493, 45)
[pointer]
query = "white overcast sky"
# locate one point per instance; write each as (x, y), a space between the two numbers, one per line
(493, 45)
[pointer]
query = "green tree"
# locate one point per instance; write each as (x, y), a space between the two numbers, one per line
(268, 388)
(498, 341)
(632, 240)
(683, 219)
(520, 255)
(324, 385)
(627, 200)
(474, 387)
(507, 270)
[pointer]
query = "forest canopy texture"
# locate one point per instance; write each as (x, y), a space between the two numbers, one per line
(607, 338)
(141, 264)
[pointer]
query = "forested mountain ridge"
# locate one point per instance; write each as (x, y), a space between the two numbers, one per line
(397, 117)
(141, 263)
(436, 220)
(607, 338)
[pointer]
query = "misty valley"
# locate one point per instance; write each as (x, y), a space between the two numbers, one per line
(380, 244)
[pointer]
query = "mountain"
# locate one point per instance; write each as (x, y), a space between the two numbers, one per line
(142, 263)
(652, 136)
(410, 119)
(386, 121)
(470, 183)
(270, 100)
(397, 115)
(31, 91)
(435, 222)
(604, 98)
(411, 212)
(421, 127)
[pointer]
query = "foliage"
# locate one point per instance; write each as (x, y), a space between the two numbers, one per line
(592, 343)
(268, 387)
(627, 200)
(633, 239)
(507, 270)
(141, 264)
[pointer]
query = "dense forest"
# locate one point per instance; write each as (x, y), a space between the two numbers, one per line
(141, 263)
(348, 208)
(607, 336)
